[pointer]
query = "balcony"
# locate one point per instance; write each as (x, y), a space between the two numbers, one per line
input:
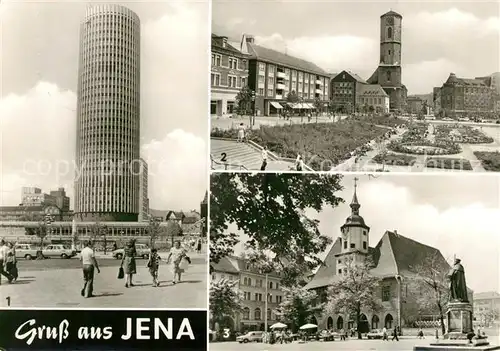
(319, 82)
(280, 86)
(280, 74)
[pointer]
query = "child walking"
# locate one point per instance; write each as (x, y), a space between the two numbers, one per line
(154, 265)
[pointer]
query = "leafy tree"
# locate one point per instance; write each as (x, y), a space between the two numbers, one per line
(173, 230)
(487, 317)
(154, 230)
(244, 101)
(298, 306)
(225, 301)
(371, 109)
(292, 97)
(379, 110)
(424, 108)
(430, 285)
(318, 105)
(354, 291)
(99, 230)
(382, 152)
(270, 212)
(42, 231)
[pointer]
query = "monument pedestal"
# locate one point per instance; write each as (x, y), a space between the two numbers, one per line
(459, 334)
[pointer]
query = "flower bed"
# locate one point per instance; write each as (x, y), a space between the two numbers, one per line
(425, 147)
(489, 160)
(449, 163)
(323, 145)
(462, 134)
(391, 159)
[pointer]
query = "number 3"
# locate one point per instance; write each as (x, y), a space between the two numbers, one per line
(223, 157)
(226, 333)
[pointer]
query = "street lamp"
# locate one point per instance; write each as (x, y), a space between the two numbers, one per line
(265, 308)
(399, 279)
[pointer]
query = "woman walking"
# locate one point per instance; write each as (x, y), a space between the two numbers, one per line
(175, 257)
(198, 246)
(241, 133)
(128, 262)
(11, 262)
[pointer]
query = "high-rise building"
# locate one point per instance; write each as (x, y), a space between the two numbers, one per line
(108, 115)
(143, 192)
(388, 73)
(60, 198)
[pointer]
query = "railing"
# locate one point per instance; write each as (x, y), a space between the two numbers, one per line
(227, 166)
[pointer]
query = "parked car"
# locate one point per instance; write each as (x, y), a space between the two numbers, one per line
(58, 250)
(375, 334)
(141, 251)
(255, 336)
(26, 251)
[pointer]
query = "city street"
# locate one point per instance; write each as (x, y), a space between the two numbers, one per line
(57, 283)
(404, 344)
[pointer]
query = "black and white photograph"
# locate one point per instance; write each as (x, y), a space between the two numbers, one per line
(355, 86)
(307, 261)
(104, 173)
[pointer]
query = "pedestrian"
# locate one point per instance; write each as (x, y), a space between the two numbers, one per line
(128, 262)
(154, 265)
(11, 262)
(198, 246)
(395, 334)
(241, 132)
(384, 334)
(420, 334)
(175, 257)
(298, 163)
(342, 334)
(89, 265)
(115, 247)
(264, 159)
(4, 250)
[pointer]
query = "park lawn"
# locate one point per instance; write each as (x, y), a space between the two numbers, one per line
(489, 160)
(391, 159)
(449, 163)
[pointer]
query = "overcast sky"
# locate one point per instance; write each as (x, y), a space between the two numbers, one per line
(439, 37)
(38, 84)
(458, 214)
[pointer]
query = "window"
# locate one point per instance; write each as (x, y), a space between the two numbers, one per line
(215, 79)
(353, 246)
(270, 92)
(243, 82)
(256, 314)
(216, 60)
(262, 67)
(270, 69)
(270, 80)
(278, 299)
(213, 276)
(386, 293)
(233, 63)
(364, 245)
(339, 261)
(270, 285)
(277, 286)
(249, 281)
(246, 313)
(364, 232)
(270, 298)
(389, 33)
(388, 76)
(340, 271)
(389, 52)
(231, 81)
(269, 315)
(345, 244)
(261, 91)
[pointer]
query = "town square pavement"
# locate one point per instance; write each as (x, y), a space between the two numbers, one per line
(60, 288)
(404, 344)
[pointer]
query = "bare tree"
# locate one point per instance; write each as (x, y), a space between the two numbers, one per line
(355, 290)
(99, 230)
(430, 285)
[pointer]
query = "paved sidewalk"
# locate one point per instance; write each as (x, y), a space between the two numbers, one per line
(61, 288)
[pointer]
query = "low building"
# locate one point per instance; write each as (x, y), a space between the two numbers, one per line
(31, 213)
(464, 96)
(273, 75)
(252, 286)
(229, 73)
(374, 97)
(33, 196)
(414, 105)
(394, 260)
(487, 308)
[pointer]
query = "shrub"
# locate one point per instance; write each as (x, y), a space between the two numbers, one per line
(449, 163)
(391, 159)
(489, 160)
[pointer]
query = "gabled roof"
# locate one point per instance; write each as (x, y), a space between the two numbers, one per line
(217, 44)
(224, 266)
(353, 75)
(373, 78)
(394, 254)
(391, 13)
(454, 80)
(371, 90)
(279, 58)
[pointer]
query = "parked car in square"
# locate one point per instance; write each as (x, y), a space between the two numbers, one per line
(375, 334)
(254, 336)
(142, 250)
(58, 250)
(26, 251)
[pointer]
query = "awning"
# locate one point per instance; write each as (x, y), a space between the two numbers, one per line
(276, 105)
(311, 106)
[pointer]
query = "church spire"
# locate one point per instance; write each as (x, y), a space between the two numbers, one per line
(354, 203)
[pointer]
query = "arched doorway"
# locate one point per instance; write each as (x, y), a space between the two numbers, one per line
(227, 323)
(364, 326)
(388, 321)
(329, 323)
(340, 323)
(375, 322)
(314, 320)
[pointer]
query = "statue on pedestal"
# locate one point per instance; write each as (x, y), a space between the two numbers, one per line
(458, 287)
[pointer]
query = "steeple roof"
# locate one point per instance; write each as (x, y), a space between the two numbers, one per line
(391, 13)
(355, 219)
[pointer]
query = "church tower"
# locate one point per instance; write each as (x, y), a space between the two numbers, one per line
(388, 74)
(355, 233)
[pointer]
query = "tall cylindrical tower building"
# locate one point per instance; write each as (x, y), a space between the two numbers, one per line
(108, 116)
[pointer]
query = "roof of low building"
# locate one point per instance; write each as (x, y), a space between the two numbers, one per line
(371, 90)
(216, 43)
(454, 80)
(279, 58)
(225, 265)
(391, 13)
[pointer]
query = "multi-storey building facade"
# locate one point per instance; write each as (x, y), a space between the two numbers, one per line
(273, 75)
(393, 259)
(414, 105)
(143, 192)
(229, 73)
(32, 196)
(487, 307)
(462, 96)
(252, 287)
(108, 115)
(30, 213)
(61, 199)
(388, 73)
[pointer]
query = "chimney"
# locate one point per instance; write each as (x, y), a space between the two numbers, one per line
(395, 231)
(224, 42)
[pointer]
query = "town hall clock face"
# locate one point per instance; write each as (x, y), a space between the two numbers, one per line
(390, 21)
